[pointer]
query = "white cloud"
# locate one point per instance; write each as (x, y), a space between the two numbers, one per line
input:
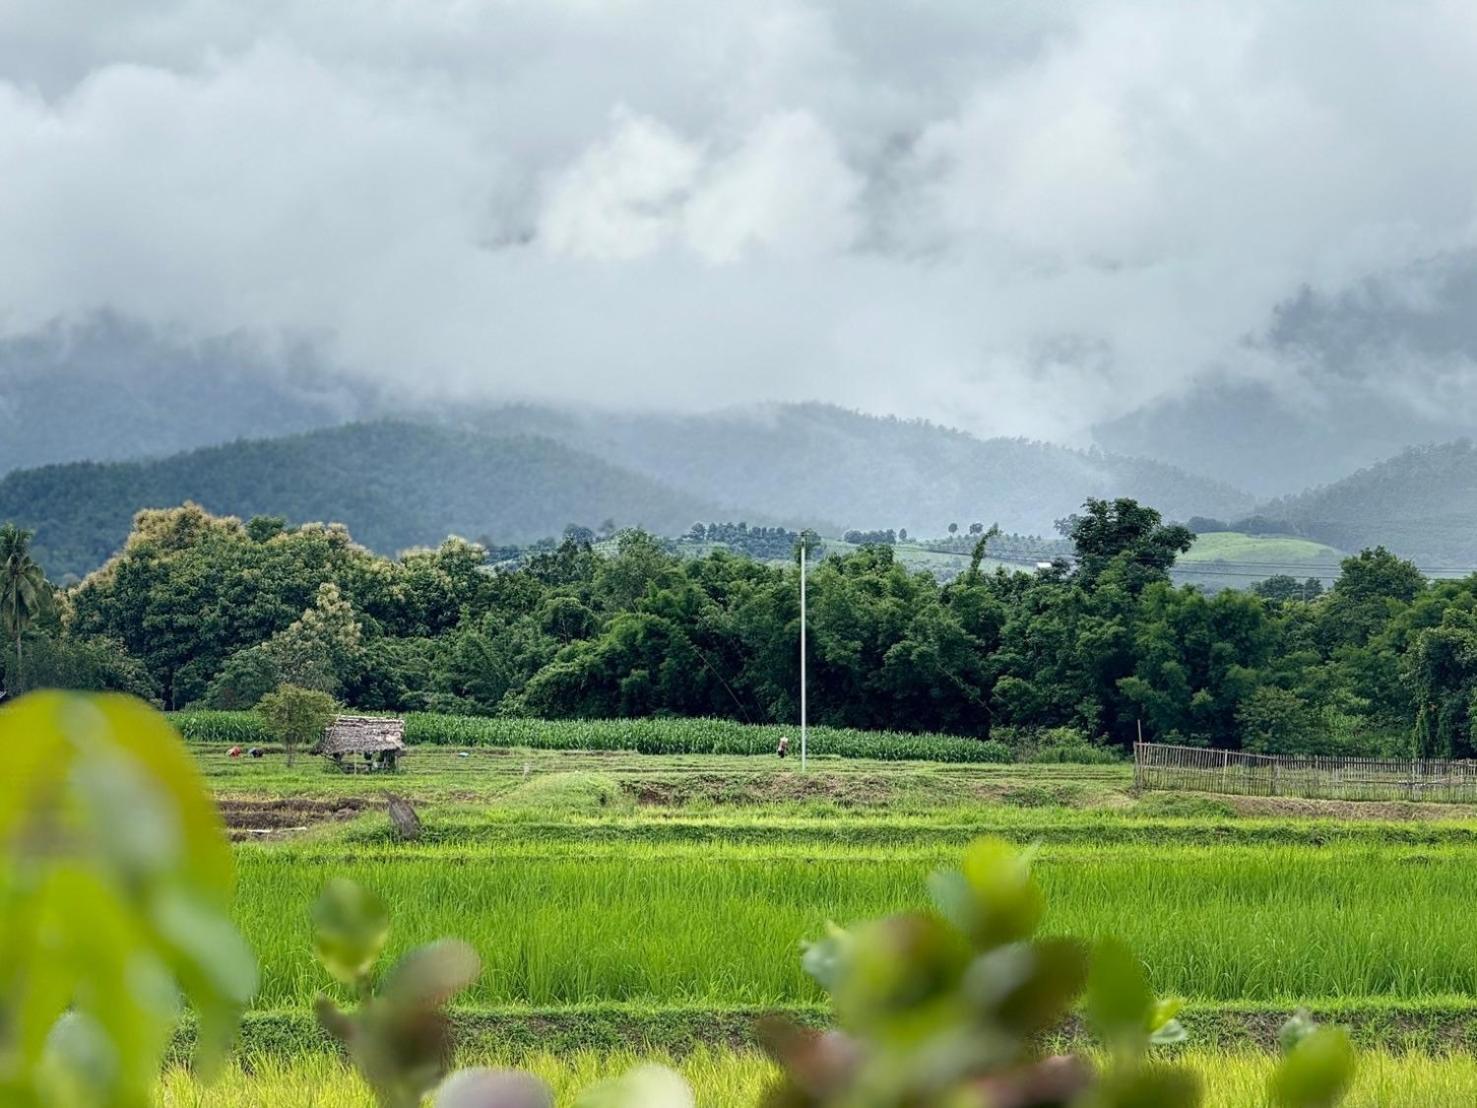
(1022, 217)
(622, 197)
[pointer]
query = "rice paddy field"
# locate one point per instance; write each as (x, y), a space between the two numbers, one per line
(631, 906)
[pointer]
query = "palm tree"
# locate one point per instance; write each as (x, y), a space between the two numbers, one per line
(24, 593)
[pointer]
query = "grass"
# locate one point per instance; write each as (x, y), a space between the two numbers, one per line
(725, 1079)
(1237, 546)
(720, 924)
(628, 905)
(439, 774)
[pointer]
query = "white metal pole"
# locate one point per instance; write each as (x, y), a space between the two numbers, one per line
(804, 556)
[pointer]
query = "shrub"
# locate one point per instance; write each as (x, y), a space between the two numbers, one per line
(295, 716)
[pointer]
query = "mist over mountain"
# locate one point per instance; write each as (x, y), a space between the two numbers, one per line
(1422, 504)
(395, 485)
(804, 462)
(520, 473)
(1350, 379)
(1253, 436)
(107, 389)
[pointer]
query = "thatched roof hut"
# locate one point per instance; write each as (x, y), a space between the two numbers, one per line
(370, 736)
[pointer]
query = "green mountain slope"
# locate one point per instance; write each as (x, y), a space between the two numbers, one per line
(395, 485)
(1421, 504)
(815, 461)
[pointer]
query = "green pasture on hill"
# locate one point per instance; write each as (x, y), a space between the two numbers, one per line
(1238, 546)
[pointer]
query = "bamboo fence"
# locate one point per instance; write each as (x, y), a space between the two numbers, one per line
(1195, 769)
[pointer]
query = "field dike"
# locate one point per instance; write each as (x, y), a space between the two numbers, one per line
(1428, 1027)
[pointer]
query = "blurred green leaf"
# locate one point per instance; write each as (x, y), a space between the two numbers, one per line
(1316, 1072)
(1027, 987)
(1119, 1001)
(896, 965)
(431, 975)
(826, 959)
(350, 926)
(1298, 1027)
(115, 890)
(1147, 1087)
(992, 899)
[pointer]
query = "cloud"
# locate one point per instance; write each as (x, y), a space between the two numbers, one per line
(1022, 218)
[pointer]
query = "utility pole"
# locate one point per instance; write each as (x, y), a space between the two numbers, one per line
(804, 557)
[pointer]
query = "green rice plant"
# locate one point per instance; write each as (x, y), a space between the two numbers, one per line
(704, 922)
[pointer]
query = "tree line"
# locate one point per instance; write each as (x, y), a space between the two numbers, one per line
(202, 610)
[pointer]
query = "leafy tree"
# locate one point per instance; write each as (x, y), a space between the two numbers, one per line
(1277, 721)
(1282, 586)
(247, 676)
(24, 592)
(83, 665)
(295, 716)
(1124, 537)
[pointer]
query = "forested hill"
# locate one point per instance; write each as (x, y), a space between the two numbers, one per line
(395, 485)
(1421, 503)
(814, 461)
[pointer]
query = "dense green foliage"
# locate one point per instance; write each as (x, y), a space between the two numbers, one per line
(215, 613)
(396, 485)
(763, 544)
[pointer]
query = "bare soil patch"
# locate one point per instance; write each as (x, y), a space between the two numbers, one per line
(260, 818)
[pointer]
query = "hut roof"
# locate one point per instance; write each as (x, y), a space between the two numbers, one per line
(363, 735)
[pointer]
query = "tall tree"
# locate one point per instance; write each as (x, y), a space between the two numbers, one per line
(24, 592)
(1125, 536)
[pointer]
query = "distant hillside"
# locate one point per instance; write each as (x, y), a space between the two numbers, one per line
(395, 485)
(1421, 504)
(814, 461)
(109, 390)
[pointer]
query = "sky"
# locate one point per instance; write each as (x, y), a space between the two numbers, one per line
(1020, 218)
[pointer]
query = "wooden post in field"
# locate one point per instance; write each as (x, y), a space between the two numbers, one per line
(804, 557)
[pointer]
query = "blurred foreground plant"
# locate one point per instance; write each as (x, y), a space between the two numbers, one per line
(948, 1008)
(115, 889)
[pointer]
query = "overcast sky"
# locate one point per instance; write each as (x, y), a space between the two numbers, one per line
(1014, 217)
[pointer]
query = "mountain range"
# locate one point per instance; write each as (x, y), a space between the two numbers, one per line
(101, 420)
